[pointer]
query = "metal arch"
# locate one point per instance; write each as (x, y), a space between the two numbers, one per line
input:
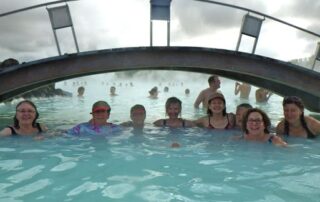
(280, 77)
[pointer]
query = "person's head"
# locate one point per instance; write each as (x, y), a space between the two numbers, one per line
(80, 91)
(26, 113)
(214, 82)
(256, 121)
(240, 112)
(154, 92)
(293, 108)
(166, 89)
(112, 90)
(100, 112)
(187, 91)
(173, 107)
(9, 62)
(216, 104)
(138, 114)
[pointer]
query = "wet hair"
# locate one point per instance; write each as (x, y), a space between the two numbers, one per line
(265, 119)
(217, 96)
(173, 100)
(9, 62)
(153, 90)
(137, 106)
(80, 89)
(100, 103)
(212, 78)
(245, 105)
(16, 121)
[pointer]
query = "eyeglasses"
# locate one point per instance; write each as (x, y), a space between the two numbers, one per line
(258, 121)
(26, 111)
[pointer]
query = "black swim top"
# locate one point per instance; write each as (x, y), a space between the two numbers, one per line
(14, 132)
(270, 138)
(310, 135)
(165, 123)
(228, 126)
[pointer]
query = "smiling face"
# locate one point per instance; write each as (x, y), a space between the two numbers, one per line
(292, 113)
(138, 116)
(255, 124)
(26, 114)
(100, 115)
(173, 110)
(216, 106)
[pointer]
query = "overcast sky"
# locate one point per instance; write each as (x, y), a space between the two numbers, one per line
(104, 24)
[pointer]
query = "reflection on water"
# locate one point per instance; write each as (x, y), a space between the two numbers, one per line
(141, 165)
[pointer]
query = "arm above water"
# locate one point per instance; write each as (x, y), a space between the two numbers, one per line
(278, 141)
(5, 132)
(280, 128)
(314, 124)
(158, 123)
(199, 99)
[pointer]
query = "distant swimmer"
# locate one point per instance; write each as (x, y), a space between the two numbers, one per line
(99, 124)
(81, 92)
(166, 89)
(137, 115)
(25, 122)
(262, 95)
(187, 91)
(244, 90)
(113, 91)
(173, 110)
(214, 85)
(153, 93)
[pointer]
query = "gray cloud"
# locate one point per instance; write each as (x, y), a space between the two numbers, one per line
(196, 18)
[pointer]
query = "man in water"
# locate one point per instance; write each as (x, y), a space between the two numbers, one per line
(244, 90)
(214, 85)
(240, 112)
(262, 95)
(137, 115)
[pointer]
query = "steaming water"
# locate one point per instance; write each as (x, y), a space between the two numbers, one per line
(141, 166)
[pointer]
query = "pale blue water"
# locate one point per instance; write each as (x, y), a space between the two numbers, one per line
(141, 166)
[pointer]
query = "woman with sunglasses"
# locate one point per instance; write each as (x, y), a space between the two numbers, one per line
(99, 124)
(295, 123)
(24, 121)
(255, 126)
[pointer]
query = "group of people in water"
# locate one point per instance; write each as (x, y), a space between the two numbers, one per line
(253, 122)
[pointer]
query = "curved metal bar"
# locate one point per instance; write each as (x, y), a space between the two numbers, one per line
(35, 6)
(262, 14)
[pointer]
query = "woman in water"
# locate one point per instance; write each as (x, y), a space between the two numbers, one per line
(217, 117)
(173, 110)
(99, 124)
(24, 121)
(295, 123)
(256, 126)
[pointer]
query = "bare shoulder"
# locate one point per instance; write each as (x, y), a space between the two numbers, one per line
(280, 128)
(158, 122)
(5, 132)
(313, 123)
(279, 141)
(43, 127)
(126, 124)
(189, 123)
